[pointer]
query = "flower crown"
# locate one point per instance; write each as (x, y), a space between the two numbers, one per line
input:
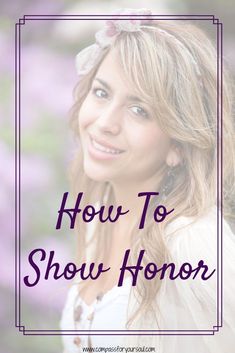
(136, 20)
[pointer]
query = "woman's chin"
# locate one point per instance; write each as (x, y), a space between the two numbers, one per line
(96, 174)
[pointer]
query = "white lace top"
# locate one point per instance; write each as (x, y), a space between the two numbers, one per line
(184, 305)
(109, 313)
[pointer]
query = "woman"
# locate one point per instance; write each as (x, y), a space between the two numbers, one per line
(145, 112)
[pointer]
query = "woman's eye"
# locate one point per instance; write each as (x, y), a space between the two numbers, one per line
(99, 92)
(140, 111)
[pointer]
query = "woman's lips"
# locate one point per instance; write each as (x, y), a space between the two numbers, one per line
(100, 149)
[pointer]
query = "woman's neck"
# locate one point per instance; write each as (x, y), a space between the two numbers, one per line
(126, 195)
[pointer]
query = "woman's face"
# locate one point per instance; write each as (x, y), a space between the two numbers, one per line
(120, 138)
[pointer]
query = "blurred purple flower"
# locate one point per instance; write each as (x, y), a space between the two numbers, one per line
(47, 293)
(7, 60)
(6, 193)
(48, 79)
(32, 8)
(37, 175)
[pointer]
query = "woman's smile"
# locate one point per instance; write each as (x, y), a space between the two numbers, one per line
(100, 149)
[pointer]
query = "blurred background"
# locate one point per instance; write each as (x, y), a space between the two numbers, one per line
(47, 146)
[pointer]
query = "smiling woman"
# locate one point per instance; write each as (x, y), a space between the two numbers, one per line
(145, 116)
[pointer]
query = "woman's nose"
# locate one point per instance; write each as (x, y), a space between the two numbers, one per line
(109, 120)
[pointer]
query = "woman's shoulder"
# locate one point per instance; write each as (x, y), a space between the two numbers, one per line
(201, 235)
(211, 221)
(182, 224)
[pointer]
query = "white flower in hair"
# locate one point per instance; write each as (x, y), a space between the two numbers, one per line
(115, 26)
(131, 25)
(87, 58)
(135, 18)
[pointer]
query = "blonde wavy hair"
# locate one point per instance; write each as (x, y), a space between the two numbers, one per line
(177, 75)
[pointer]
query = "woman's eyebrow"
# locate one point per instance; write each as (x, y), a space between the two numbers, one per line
(135, 99)
(107, 86)
(103, 83)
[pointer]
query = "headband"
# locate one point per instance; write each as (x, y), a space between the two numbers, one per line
(137, 20)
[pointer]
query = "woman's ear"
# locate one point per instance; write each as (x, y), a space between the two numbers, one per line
(173, 157)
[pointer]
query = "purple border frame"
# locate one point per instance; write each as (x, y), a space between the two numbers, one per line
(219, 323)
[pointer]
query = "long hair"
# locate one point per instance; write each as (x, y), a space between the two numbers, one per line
(176, 74)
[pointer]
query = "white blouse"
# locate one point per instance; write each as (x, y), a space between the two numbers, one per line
(180, 304)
